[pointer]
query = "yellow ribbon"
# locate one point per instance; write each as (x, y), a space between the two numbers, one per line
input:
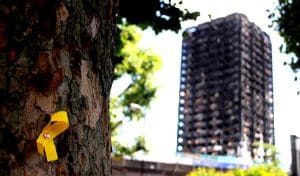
(58, 123)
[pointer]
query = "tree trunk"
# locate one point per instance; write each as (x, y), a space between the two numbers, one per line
(56, 55)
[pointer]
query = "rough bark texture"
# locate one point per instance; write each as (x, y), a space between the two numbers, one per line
(55, 55)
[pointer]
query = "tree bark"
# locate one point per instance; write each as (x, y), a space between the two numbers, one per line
(56, 55)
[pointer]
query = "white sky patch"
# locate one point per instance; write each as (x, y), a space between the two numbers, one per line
(120, 85)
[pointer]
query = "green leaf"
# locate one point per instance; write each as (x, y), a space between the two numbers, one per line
(156, 14)
(141, 65)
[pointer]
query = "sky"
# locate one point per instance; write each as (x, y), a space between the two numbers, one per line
(160, 124)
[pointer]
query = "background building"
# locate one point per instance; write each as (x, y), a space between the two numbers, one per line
(226, 91)
(295, 151)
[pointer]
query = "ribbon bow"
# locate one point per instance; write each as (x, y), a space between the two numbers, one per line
(45, 144)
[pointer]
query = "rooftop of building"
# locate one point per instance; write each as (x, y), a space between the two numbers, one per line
(235, 15)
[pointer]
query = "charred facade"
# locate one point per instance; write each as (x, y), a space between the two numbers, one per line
(226, 89)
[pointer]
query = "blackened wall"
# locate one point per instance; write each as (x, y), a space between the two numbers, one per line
(226, 90)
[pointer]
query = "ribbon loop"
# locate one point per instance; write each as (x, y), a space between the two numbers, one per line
(45, 143)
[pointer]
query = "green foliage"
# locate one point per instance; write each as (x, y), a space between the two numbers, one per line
(261, 170)
(270, 153)
(208, 172)
(287, 20)
(121, 150)
(158, 14)
(265, 170)
(140, 64)
(203, 172)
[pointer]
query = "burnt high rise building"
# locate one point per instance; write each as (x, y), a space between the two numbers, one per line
(226, 89)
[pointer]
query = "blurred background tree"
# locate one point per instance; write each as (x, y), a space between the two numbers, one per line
(140, 65)
(286, 21)
(259, 170)
(137, 63)
(270, 153)
(158, 14)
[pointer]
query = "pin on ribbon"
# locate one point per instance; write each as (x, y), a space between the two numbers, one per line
(45, 144)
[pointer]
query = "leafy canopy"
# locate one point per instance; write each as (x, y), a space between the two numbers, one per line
(140, 64)
(158, 14)
(286, 17)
